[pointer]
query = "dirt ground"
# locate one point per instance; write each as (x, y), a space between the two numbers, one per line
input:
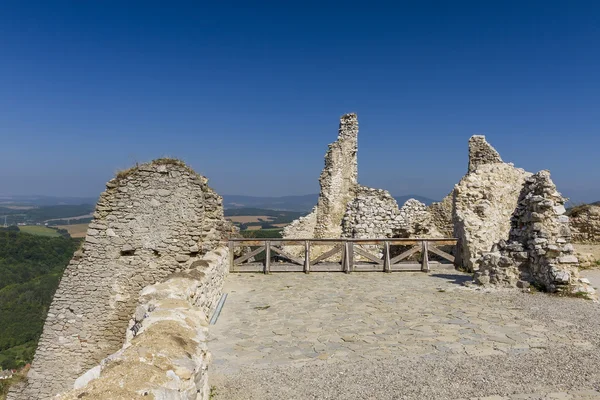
(593, 249)
(75, 230)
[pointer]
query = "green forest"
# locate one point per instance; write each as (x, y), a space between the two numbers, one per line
(30, 270)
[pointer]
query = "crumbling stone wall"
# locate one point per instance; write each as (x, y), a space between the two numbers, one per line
(373, 213)
(481, 153)
(441, 216)
(152, 220)
(339, 179)
(539, 248)
(585, 223)
(484, 202)
(303, 227)
(165, 354)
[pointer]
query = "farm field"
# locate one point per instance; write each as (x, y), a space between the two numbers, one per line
(244, 219)
(39, 230)
(75, 230)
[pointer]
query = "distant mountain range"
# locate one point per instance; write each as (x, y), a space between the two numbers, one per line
(303, 203)
(293, 203)
(35, 200)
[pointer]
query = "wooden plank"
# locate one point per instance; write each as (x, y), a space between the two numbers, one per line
(350, 256)
(248, 256)
(277, 267)
(386, 258)
(403, 242)
(287, 255)
(287, 241)
(440, 253)
(327, 254)
(329, 267)
(367, 267)
(253, 267)
(406, 254)
(425, 259)
(406, 267)
(231, 257)
(366, 254)
(306, 257)
(268, 257)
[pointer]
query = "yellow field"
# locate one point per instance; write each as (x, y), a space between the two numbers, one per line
(244, 219)
(39, 230)
(75, 230)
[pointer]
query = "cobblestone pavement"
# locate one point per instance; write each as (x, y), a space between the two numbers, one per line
(330, 321)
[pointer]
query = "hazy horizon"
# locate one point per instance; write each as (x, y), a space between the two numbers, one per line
(250, 97)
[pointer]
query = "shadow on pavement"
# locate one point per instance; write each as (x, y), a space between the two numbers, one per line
(455, 278)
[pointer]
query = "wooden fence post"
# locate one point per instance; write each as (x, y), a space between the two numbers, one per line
(306, 256)
(348, 257)
(425, 255)
(268, 257)
(386, 257)
(231, 256)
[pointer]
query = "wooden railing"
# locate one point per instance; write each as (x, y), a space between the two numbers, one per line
(351, 253)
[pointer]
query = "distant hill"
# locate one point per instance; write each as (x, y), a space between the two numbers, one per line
(596, 203)
(38, 200)
(302, 203)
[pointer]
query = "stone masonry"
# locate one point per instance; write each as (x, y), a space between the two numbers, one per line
(539, 248)
(373, 213)
(338, 180)
(585, 223)
(153, 220)
(484, 202)
(165, 355)
(481, 153)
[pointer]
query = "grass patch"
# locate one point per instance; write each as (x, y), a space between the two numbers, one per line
(39, 230)
(5, 384)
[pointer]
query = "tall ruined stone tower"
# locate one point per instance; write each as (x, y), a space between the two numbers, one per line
(151, 221)
(339, 179)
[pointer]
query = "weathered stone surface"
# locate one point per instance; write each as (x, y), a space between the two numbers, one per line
(585, 223)
(165, 354)
(538, 249)
(338, 180)
(481, 153)
(133, 244)
(484, 201)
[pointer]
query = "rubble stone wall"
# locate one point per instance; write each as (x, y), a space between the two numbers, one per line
(165, 354)
(339, 179)
(373, 213)
(539, 248)
(484, 201)
(303, 227)
(153, 220)
(481, 153)
(585, 224)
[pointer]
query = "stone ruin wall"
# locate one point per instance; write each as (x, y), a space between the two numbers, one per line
(346, 209)
(539, 249)
(478, 211)
(338, 180)
(373, 213)
(167, 356)
(585, 224)
(484, 202)
(153, 220)
(481, 153)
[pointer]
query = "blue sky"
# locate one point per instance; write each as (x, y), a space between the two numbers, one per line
(250, 94)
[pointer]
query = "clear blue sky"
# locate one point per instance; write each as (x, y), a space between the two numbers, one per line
(250, 95)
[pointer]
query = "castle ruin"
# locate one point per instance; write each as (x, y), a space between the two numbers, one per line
(130, 316)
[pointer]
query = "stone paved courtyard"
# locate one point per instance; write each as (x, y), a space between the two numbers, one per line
(401, 328)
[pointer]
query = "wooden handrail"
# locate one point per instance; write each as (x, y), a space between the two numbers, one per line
(344, 248)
